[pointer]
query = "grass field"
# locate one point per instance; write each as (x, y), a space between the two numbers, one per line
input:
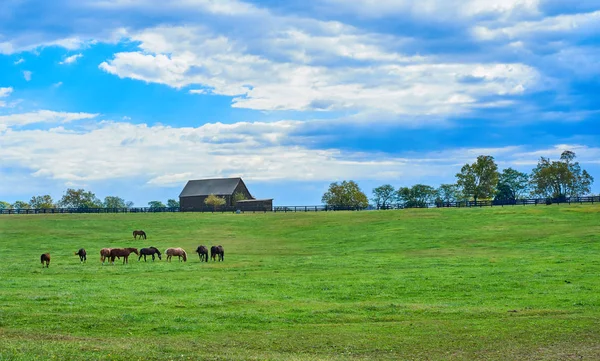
(513, 283)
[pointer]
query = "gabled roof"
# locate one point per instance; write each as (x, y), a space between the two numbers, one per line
(205, 187)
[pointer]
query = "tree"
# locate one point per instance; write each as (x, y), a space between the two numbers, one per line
(417, 196)
(171, 203)
(114, 202)
(79, 199)
(448, 193)
(41, 202)
(559, 179)
(479, 180)
(4, 205)
(20, 205)
(382, 195)
(345, 195)
(156, 204)
(512, 185)
(214, 201)
(238, 196)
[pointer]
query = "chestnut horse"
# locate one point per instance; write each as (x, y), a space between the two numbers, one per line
(179, 252)
(217, 251)
(122, 252)
(82, 255)
(202, 253)
(140, 233)
(150, 251)
(45, 258)
(104, 254)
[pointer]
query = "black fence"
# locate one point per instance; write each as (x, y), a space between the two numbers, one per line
(321, 208)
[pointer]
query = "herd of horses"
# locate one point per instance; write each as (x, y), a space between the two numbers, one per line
(109, 254)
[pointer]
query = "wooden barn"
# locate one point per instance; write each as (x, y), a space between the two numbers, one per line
(195, 192)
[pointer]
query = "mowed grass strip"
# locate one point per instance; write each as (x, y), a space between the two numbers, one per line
(512, 283)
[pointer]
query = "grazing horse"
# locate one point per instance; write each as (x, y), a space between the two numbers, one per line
(150, 251)
(179, 252)
(218, 252)
(140, 233)
(82, 255)
(122, 252)
(104, 254)
(202, 253)
(45, 258)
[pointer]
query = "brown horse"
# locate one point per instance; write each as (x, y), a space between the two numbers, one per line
(140, 233)
(45, 258)
(218, 252)
(104, 254)
(122, 252)
(82, 255)
(179, 252)
(202, 253)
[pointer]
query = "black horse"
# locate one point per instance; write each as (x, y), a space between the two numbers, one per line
(82, 255)
(202, 253)
(149, 252)
(218, 252)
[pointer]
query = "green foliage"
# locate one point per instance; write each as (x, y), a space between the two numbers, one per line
(238, 196)
(114, 202)
(417, 196)
(156, 204)
(344, 195)
(479, 180)
(214, 201)
(20, 205)
(447, 193)
(383, 195)
(559, 179)
(4, 205)
(42, 202)
(172, 203)
(79, 199)
(512, 185)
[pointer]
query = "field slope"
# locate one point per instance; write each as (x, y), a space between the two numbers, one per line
(512, 283)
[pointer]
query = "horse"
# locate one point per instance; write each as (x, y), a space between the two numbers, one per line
(217, 251)
(82, 255)
(104, 254)
(179, 252)
(150, 251)
(202, 253)
(139, 233)
(45, 258)
(122, 252)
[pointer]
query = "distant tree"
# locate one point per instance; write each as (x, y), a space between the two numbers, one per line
(418, 195)
(156, 204)
(114, 202)
(238, 196)
(383, 195)
(512, 185)
(172, 203)
(20, 205)
(41, 202)
(4, 205)
(79, 199)
(559, 179)
(214, 201)
(129, 204)
(448, 193)
(479, 180)
(345, 195)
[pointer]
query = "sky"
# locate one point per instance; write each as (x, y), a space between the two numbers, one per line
(133, 98)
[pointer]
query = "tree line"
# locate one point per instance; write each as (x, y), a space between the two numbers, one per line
(481, 180)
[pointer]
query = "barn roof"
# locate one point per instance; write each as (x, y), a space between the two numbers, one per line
(205, 187)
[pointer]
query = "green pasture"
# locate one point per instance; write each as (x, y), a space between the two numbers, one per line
(512, 283)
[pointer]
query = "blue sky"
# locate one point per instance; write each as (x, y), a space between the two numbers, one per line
(133, 98)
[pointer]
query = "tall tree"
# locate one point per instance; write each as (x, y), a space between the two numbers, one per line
(114, 202)
(4, 205)
(383, 195)
(214, 201)
(79, 198)
(562, 178)
(419, 195)
(479, 180)
(345, 195)
(20, 205)
(448, 192)
(512, 184)
(41, 202)
(172, 203)
(156, 204)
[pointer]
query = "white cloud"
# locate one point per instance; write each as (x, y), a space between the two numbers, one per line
(71, 59)
(20, 61)
(4, 92)
(41, 116)
(27, 75)
(58, 84)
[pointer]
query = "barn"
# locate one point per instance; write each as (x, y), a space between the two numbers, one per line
(195, 192)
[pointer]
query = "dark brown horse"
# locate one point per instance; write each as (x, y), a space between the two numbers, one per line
(150, 251)
(218, 252)
(140, 233)
(45, 258)
(202, 253)
(122, 252)
(82, 255)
